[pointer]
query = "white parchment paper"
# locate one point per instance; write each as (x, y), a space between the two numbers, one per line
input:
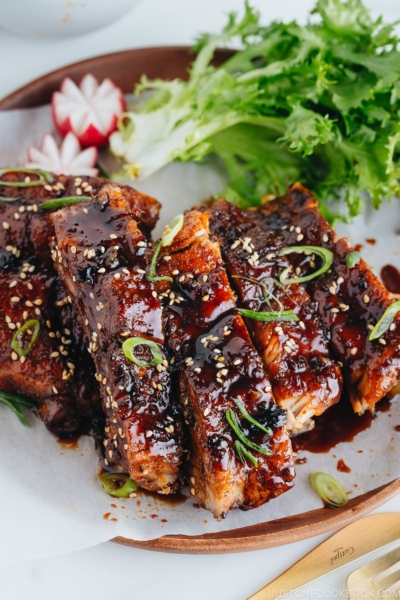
(50, 501)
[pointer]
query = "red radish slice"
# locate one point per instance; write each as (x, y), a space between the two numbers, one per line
(67, 159)
(90, 111)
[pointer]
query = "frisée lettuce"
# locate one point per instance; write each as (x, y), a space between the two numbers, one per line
(318, 103)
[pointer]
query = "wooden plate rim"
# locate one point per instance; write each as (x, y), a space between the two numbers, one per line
(263, 535)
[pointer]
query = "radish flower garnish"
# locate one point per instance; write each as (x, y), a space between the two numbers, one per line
(90, 110)
(66, 159)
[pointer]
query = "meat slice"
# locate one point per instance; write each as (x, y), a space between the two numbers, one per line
(305, 380)
(100, 254)
(350, 300)
(217, 364)
(57, 372)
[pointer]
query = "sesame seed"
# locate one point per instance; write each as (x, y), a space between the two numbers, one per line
(73, 249)
(325, 237)
(382, 341)
(14, 356)
(13, 283)
(205, 278)
(353, 351)
(166, 258)
(85, 210)
(206, 298)
(300, 237)
(102, 270)
(54, 354)
(340, 280)
(113, 236)
(224, 372)
(335, 310)
(55, 390)
(302, 325)
(192, 491)
(149, 433)
(370, 327)
(38, 302)
(237, 361)
(139, 271)
(366, 298)
(141, 244)
(22, 359)
(198, 370)
(392, 327)
(15, 299)
(287, 348)
(220, 366)
(6, 225)
(206, 411)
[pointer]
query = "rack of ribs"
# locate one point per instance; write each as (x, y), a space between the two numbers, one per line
(350, 300)
(101, 256)
(305, 380)
(218, 366)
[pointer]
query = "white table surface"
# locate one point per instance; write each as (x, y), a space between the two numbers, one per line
(108, 570)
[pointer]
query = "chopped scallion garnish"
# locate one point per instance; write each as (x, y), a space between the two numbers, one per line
(267, 317)
(385, 321)
(131, 343)
(266, 285)
(324, 253)
(14, 402)
(118, 485)
(43, 177)
(233, 422)
(352, 259)
(9, 198)
(65, 201)
(251, 419)
(32, 328)
(171, 230)
(329, 489)
(243, 454)
(152, 271)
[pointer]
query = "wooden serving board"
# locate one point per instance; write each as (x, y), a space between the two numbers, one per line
(126, 68)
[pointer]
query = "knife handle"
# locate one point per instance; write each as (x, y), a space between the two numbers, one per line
(348, 544)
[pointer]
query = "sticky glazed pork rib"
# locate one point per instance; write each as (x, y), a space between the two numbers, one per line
(57, 372)
(217, 363)
(54, 373)
(101, 256)
(350, 300)
(305, 380)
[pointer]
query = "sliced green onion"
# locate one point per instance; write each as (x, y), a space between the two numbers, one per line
(233, 422)
(44, 176)
(385, 321)
(155, 350)
(251, 419)
(352, 259)
(118, 485)
(267, 317)
(263, 283)
(324, 253)
(243, 454)
(14, 403)
(171, 230)
(16, 346)
(329, 489)
(9, 198)
(152, 271)
(66, 201)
